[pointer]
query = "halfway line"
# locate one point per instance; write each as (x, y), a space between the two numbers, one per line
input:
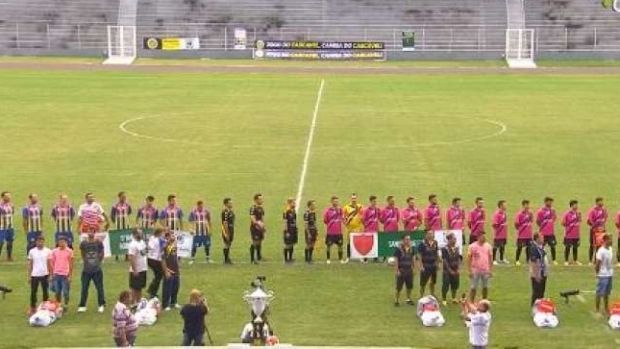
(304, 167)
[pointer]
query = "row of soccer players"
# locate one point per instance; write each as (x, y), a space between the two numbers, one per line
(351, 217)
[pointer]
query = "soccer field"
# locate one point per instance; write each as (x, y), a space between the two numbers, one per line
(208, 136)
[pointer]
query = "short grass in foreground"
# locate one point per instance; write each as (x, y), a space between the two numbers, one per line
(233, 135)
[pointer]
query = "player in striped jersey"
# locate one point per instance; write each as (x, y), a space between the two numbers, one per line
(7, 231)
(200, 217)
(147, 215)
(32, 221)
(228, 228)
(289, 217)
(63, 215)
(120, 212)
(171, 216)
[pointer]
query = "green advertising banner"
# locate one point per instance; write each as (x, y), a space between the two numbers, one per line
(120, 239)
(389, 241)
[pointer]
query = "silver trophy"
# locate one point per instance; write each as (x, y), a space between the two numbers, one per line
(259, 300)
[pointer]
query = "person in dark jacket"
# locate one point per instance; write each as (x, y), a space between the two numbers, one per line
(194, 314)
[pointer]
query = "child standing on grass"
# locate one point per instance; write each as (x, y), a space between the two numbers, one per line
(125, 326)
(62, 270)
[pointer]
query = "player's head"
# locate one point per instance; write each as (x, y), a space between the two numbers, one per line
(456, 202)
(195, 297)
(33, 198)
(501, 204)
(372, 199)
(62, 242)
(574, 204)
(430, 235)
(137, 234)
(227, 202)
(125, 297)
(548, 201)
(258, 198)
(390, 200)
(525, 204)
(354, 198)
(63, 199)
(538, 238)
(89, 198)
(6, 196)
(335, 201)
(479, 202)
(411, 201)
(149, 200)
(481, 237)
(172, 199)
(311, 204)
(168, 235)
(158, 232)
(432, 199)
(122, 197)
(40, 241)
(200, 204)
(607, 240)
(290, 203)
(599, 201)
(483, 306)
(451, 239)
(405, 239)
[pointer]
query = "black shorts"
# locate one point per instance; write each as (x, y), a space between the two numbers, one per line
(524, 242)
(228, 239)
(499, 243)
(137, 282)
(311, 236)
(453, 281)
(257, 234)
(550, 240)
(405, 278)
(333, 239)
(571, 242)
(428, 274)
(290, 237)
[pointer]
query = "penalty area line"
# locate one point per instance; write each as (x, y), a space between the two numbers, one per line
(304, 166)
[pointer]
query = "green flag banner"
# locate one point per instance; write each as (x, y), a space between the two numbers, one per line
(120, 239)
(389, 241)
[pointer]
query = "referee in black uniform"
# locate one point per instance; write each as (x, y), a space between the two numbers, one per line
(257, 228)
(311, 232)
(290, 229)
(228, 228)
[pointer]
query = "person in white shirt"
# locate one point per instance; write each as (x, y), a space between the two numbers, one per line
(39, 268)
(154, 254)
(478, 321)
(137, 265)
(604, 273)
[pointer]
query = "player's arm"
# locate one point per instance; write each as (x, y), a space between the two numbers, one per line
(597, 264)
(225, 224)
(396, 263)
(469, 261)
(71, 260)
(180, 213)
(106, 220)
(25, 215)
(29, 267)
(209, 226)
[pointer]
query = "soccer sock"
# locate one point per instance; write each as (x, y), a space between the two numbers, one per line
(566, 252)
(575, 249)
(518, 256)
(1, 247)
(225, 251)
(306, 254)
(208, 251)
(310, 254)
(553, 254)
(348, 250)
(290, 253)
(502, 250)
(527, 255)
(9, 249)
(329, 253)
(252, 248)
(193, 252)
(590, 253)
(340, 254)
(285, 252)
(259, 255)
(494, 255)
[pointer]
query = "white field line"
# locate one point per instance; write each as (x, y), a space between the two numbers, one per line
(304, 167)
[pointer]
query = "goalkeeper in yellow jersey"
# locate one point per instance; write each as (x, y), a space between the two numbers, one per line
(352, 213)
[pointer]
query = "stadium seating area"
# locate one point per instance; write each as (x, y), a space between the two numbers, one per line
(445, 25)
(573, 25)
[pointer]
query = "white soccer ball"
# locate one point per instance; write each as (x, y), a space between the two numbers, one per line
(391, 260)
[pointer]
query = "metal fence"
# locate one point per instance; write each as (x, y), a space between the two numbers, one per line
(438, 38)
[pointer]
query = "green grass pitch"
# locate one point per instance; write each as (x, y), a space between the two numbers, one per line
(215, 135)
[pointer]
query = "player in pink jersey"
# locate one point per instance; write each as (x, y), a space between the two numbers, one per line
(455, 215)
(500, 228)
(334, 223)
(545, 220)
(523, 223)
(390, 215)
(571, 221)
(412, 217)
(597, 218)
(432, 214)
(370, 216)
(476, 220)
